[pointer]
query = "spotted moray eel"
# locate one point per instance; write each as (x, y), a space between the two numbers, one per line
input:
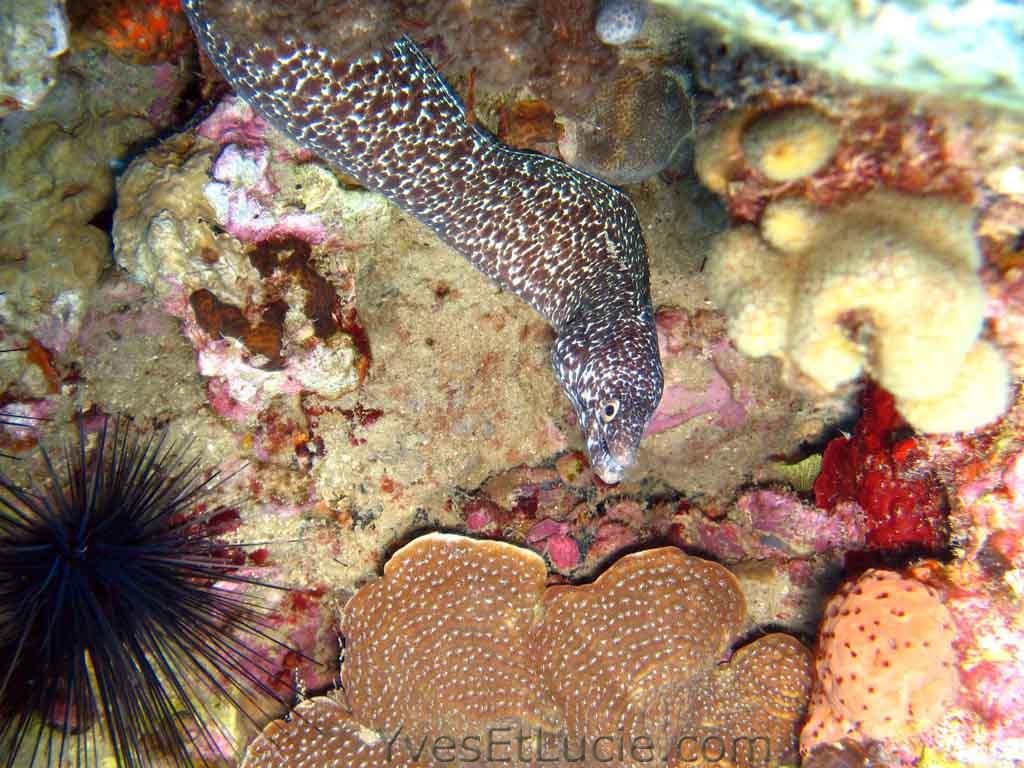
(565, 242)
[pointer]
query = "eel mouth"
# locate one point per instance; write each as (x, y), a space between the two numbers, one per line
(607, 465)
(609, 470)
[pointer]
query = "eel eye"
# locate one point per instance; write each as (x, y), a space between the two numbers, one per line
(608, 410)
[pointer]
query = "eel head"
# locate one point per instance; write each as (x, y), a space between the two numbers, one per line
(615, 383)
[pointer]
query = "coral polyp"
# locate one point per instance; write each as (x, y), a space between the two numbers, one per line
(123, 617)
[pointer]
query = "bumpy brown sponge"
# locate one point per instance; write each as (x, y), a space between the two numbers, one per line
(459, 654)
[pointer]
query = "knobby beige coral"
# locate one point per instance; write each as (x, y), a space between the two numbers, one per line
(790, 143)
(886, 284)
(460, 655)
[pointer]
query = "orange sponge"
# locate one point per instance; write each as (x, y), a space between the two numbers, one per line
(886, 666)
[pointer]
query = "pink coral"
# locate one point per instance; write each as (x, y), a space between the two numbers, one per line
(680, 401)
(780, 516)
(771, 523)
(611, 537)
(991, 640)
(995, 690)
(233, 121)
(241, 194)
(480, 516)
(552, 538)
(269, 323)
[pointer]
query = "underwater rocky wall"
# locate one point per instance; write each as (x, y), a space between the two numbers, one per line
(837, 278)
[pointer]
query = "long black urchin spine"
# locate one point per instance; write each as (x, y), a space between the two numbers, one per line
(121, 617)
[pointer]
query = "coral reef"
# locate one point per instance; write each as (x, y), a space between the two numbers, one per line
(836, 292)
(888, 475)
(988, 725)
(985, 589)
(204, 220)
(579, 525)
(717, 404)
(33, 34)
(774, 524)
(968, 610)
(262, 318)
(119, 594)
(120, 353)
(682, 335)
(234, 221)
(57, 166)
(634, 128)
(135, 30)
(966, 50)
(361, 385)
(848, 145)
(460, 644)
(621, 21)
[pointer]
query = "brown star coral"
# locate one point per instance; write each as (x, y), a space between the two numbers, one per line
(459, 654)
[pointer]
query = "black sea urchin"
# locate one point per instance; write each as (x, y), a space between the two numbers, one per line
(119, 608)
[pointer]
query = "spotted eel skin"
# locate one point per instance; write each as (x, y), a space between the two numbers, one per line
(567, 243)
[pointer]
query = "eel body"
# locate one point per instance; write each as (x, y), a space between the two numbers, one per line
(567, 243)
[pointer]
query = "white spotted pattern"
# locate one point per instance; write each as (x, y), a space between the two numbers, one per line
(567, 243)
(460, 636)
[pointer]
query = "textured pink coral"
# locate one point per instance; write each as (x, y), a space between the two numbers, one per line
(301, 641)
(244, 165)
(722, 541)
(992, 670)
(240, 192)
(479, 519)
(218, 390)
(22, 420)
(801, 528)
(242, 187)
(611, 537)
(545, 529)
(552, 537)
(681, 403)
(995, 690)
(771, 524)
(563, 551)
(994, 502)
(234, 122)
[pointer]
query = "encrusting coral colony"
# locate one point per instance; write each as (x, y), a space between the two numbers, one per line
(718, 459)
(460, 650)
